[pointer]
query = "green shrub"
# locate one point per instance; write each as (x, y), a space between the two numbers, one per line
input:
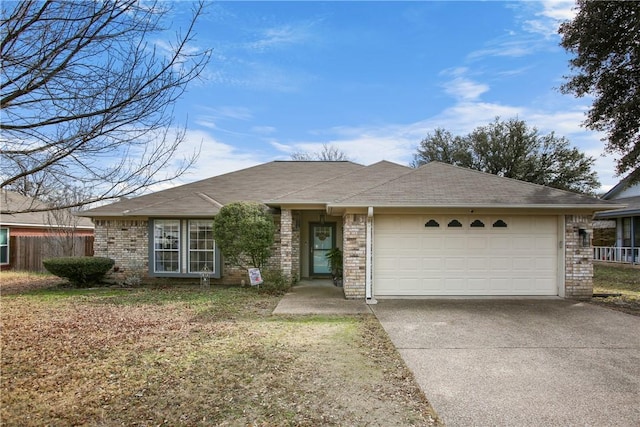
(244, 232)
(81, 271)
(275, 283)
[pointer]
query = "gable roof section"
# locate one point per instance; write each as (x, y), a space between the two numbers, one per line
(620, 188)
(11, 201)
(442, 185)
(205, 198)
(344, 185)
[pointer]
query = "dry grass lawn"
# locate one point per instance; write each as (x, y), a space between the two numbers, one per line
(178, 355)
(623, 280)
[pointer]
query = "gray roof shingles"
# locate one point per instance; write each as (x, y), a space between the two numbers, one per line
(204, 198)
(348, 184)
(10, 201)
(443, 185)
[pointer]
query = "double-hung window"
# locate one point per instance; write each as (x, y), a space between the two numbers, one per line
(201, 246)
(183, 247)
(166, 245)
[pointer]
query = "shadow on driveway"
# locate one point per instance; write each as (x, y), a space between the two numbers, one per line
(528, 362)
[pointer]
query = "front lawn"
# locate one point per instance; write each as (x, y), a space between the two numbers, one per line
(178, 355)
(623, 280)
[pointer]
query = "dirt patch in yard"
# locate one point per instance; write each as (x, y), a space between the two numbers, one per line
(182, 356)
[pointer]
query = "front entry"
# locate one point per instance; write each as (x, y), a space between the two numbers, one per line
(323, 239)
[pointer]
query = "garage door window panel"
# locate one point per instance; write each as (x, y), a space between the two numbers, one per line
(477, 224)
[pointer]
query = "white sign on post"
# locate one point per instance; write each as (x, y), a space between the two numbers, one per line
(255, 277)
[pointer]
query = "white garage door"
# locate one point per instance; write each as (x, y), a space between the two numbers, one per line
(465, 255)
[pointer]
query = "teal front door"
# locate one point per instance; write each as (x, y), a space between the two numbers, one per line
(323, 239)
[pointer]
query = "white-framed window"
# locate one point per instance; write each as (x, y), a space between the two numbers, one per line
(166, 245)
(183, 247)
(201, 246)
(4, 246)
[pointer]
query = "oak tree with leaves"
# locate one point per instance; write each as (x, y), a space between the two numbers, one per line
(514, 150)
(604, 38)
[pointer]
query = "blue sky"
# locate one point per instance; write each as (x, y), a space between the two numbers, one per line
(373, 78)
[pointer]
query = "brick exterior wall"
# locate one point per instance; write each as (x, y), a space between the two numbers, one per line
(354, 243)
(127, 242)
(578, 258)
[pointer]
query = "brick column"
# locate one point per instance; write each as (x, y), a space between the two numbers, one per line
(295, 249)
(354, 252)
(578, 282)
(286, 239)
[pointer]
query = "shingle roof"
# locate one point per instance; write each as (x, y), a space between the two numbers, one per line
(632, 208)
(205, 198)
(346, 184)
(10, 201)
(443, 185)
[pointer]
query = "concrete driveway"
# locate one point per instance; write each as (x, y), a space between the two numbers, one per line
(529, 362)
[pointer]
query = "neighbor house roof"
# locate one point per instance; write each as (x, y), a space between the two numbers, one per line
(620, 187)
(630, 200)
(632, 208)
(10, 201)
(346, 184)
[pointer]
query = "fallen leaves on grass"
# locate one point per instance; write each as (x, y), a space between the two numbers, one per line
(179, 356)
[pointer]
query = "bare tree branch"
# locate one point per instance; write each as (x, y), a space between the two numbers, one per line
(329, 153)
(87, 100)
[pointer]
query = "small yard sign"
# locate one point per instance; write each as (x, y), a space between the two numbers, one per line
(255, 277)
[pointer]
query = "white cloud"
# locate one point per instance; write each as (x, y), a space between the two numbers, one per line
(533, 19)
(511, 45)
(277, 37)
(461, 87)
(547, 20)
(212, 116)
(465, 89)
(216, 158)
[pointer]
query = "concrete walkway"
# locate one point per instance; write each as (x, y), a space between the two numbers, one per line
(319, 297)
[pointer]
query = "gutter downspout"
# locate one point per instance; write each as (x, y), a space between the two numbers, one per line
(369, 259)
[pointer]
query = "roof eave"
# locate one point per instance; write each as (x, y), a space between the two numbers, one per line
(594, 208)
(618, 213)
(35, 225)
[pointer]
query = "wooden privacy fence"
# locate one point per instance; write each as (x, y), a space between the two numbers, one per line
(27, 252)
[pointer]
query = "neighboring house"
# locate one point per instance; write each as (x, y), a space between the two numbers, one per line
(432, 231)
(623, 245)
(26, 238)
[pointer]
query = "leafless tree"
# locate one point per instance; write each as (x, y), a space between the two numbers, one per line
(87, 98)
(329, 153)
(64, 237)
